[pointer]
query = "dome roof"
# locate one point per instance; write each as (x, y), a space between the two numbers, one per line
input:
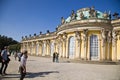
(85, 18)
(86, 13)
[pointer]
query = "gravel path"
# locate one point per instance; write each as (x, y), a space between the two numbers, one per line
(41, 68)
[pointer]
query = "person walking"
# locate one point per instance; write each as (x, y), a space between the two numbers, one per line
(5, 61)
(22, 67)
(57, 56)
(54, 56)
(19, 54)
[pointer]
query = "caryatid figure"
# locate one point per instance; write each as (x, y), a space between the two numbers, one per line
(103, 36)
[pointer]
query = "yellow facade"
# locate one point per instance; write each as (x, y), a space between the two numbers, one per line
(85, 37)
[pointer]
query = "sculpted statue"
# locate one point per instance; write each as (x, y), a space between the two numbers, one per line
(92, 12)
(73, 15)
(85, 33)
(114, 35)
(109, 36)
(81, 15)
(77, 35)
(95, 14)
(105, 15)
(64, 35)
(103, 33)
(62, 20)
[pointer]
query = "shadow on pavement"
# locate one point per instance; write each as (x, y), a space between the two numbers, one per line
(28, 75)
(39, 74)
(11, 76)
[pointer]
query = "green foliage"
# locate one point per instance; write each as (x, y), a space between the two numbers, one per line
(6, 41)
(14, 47)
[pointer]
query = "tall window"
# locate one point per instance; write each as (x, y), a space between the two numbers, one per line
(52, 49)
(43, 51)
(37, 49)
(94, 47)
(71, 47)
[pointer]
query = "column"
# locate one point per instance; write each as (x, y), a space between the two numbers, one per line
(114, 46)
(55, 46)
(114, 51)
(103, 35)
(37, 48)
(40, 47)
(44, 48)
(109, 39)
(85, 39)
(99, 48)
(27, 47)
(64, 48)
(78, 39)
(32, 48)
(103, 49)
(48, 47)
(88, 56)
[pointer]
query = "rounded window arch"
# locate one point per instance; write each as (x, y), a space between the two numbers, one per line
(71, 47)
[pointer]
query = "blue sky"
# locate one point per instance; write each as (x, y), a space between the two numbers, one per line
(23, 17)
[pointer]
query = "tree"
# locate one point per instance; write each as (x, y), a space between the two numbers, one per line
(6, 41)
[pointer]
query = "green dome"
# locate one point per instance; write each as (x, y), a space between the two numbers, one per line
(86, 14)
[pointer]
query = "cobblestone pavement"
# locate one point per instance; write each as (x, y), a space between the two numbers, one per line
(41, 68)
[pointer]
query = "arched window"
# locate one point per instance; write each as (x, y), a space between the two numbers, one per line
(94, 47)
(71, 47)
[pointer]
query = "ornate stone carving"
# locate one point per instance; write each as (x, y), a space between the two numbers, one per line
(62, 20)
(92, 12)
(78, 37)
(103, 34)
(64, 35)
(81, 15)
(109, 38)
(48, 41)
(73, 15)
(60, 38)
(40, 42)
(114, 37)
(85, 34)
(105, 15)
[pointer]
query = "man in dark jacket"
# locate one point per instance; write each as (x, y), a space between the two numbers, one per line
(54, 57)
(4, 56)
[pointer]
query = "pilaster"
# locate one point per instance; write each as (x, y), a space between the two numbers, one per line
(88, 56)
(114, 46)
(78, 39)
(85, 39)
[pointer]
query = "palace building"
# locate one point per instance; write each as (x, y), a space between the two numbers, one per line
(86, 34)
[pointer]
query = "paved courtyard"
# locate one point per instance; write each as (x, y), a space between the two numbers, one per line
(41, 68)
